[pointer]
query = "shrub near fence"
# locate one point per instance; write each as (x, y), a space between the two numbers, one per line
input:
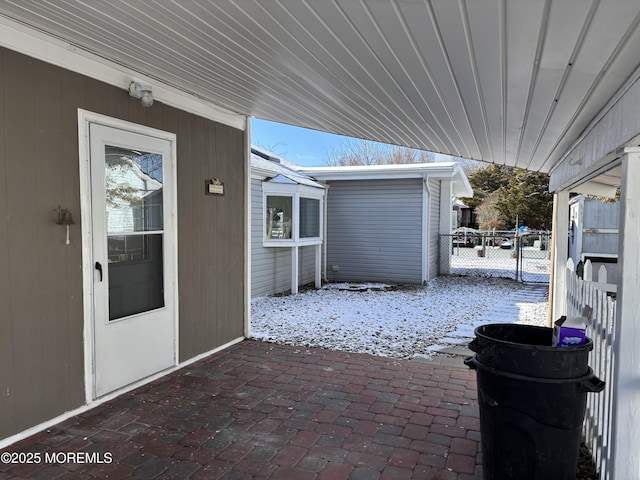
(524, 257)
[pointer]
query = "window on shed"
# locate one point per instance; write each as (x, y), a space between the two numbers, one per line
(309, 217)
(279, 217)
(293, 214)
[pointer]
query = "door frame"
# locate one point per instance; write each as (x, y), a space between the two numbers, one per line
(85, 118)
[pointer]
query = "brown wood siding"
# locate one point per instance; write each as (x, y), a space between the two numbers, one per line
(6, 330)
(41, 309)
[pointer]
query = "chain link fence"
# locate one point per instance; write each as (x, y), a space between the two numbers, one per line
(524, 257)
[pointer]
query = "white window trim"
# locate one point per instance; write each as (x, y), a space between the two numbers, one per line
(295, 192)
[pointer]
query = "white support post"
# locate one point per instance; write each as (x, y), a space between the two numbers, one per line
(247, 229)
(560, 249)
(318, 263)
(626, 381)
(294, 270)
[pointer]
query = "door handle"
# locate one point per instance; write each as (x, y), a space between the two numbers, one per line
(99, 268)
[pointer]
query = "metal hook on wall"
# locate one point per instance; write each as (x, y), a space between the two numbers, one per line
(63, 217)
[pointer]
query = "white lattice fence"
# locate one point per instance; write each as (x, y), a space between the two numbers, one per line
(600, 296)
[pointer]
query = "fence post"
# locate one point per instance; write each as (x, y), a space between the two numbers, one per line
(587, 271)
(516, 245)
(602, 274)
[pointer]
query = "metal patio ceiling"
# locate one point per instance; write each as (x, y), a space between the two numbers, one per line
(505, 81)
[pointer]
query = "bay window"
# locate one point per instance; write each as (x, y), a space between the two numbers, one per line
(292, 214)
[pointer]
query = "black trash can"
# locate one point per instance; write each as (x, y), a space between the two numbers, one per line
(532, 400)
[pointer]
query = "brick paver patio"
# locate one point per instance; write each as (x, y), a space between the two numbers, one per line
(258, 410)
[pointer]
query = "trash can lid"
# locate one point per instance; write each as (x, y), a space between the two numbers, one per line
(524, 336)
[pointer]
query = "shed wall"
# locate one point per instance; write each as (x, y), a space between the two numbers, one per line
(41, 297)
(374, 230)
(600, 215)
(600, 220)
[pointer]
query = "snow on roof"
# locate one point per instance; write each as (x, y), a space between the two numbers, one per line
(278, 170)
(268, 164)
(436, 170)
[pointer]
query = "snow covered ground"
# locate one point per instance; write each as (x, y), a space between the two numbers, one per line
(396, 321)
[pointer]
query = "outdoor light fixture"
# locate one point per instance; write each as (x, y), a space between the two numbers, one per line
(63, 217)
(143, 92)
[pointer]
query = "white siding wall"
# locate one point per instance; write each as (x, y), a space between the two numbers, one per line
(434, 227)
(271, 266)
(600, 215)
(374, 230)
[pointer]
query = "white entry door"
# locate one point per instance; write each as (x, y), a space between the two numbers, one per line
(133, 250)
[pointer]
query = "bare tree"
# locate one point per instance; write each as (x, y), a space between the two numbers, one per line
(469, 166)
(354, 151)
(489, 217)
(401, 155)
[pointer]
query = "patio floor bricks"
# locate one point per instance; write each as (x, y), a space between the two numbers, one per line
(259, 410)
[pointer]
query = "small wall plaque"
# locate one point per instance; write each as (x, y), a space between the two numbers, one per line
(214, 187)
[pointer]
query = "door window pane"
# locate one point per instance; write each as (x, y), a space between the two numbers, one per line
(127, 248)
(134, 205)
(133, 182)
(135, 277)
